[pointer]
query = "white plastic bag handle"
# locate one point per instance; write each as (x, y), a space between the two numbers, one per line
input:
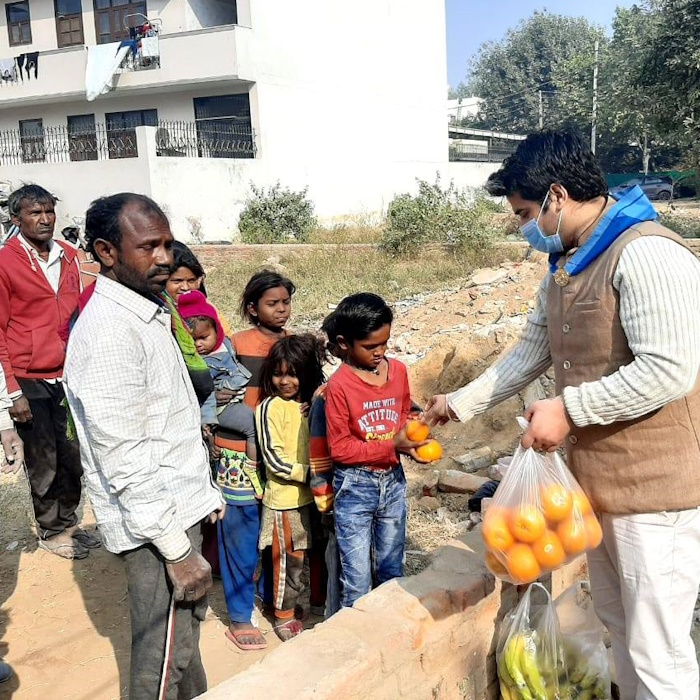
(523, 423)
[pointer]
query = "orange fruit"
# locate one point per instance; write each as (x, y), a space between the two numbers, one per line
(417, 430)
(572, 534)
(594, 532)
(581, 503)
(430, 452)
(495, 531)
(495, 565)
(521, 564)
(556, 502)
(548, 551)
(526, 523)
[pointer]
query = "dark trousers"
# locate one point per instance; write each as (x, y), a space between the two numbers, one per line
(182, 677)
(53, 461)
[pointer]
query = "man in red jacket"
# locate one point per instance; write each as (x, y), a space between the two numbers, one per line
(39, 289)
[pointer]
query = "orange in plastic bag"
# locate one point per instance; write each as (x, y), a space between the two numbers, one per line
(539, 519)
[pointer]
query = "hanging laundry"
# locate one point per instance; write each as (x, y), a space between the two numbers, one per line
(102, 62)
(20, 65)
(132, 44)
(8, 70)
(150, 47)
(32, 62)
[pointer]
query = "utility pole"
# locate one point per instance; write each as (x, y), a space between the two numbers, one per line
(541, 113)
(595, 97)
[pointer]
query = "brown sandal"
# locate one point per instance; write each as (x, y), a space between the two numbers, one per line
(234, 635)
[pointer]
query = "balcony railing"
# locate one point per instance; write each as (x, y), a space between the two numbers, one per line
(205, 139)
(63, 144)
(484, 154)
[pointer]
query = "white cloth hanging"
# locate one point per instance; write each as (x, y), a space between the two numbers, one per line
(102, 62)
(150, 47)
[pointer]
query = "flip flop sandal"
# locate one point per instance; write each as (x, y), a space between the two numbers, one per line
(289, 630)
(65, 551)
(234, 635)
(86, 539)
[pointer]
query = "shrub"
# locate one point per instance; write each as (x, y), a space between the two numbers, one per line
(277, 215)
(686, 226)
(446, 216)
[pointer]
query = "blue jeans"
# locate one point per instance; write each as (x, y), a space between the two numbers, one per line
(238, 557)
(370, 526)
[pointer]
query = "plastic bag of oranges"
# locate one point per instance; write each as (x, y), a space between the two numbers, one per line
(539, 519)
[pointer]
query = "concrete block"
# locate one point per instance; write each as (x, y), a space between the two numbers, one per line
(430, 483)
(453, 481)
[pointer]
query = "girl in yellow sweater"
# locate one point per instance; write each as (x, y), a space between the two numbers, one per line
(290, 375)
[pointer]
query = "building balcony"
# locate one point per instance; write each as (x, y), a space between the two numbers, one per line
(209, 56)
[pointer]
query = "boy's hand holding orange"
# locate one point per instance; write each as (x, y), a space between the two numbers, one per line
(413, 441)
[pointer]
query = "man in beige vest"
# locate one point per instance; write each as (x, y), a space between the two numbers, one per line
(618, 317)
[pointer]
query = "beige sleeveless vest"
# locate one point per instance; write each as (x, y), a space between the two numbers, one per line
(647, 465)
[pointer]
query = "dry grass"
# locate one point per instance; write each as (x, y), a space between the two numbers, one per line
(356, 230)
(323, 276)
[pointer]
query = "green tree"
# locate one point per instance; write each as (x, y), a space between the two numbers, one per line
(668, 70)
(548, 53)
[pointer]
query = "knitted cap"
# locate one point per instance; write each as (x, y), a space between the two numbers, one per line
(194, 303)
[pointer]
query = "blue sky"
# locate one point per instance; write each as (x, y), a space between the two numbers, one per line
(471, 22)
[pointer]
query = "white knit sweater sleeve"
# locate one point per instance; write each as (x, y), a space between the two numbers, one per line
(659, 286)
(525, 361)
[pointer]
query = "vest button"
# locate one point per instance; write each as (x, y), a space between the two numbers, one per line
(573, 439)
(566, 328)
(566, 365)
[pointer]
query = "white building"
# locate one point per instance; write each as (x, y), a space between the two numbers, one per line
(463, 107)
(346, 99)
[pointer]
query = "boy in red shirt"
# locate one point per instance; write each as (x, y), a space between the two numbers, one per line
(367, 404)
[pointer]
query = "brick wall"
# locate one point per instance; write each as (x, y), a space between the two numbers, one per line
(430, 636)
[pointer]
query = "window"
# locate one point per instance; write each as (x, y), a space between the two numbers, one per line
(82, 137)
(224, 128)
(31, 135)
(121, 131)
(69, 22)
(111, 16)
(18, 23)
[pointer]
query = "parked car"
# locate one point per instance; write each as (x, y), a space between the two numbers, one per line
(653, 186)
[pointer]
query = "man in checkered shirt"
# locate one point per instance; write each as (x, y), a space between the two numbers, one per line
(138, 423)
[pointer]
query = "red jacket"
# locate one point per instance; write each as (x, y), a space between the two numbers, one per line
(34, 320)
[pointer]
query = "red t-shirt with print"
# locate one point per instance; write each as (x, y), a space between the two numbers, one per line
(362, 419)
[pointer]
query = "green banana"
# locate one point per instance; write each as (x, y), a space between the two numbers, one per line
(512, 655)
(528, 665)
(585, 694)
(577, 672)
(589, 679)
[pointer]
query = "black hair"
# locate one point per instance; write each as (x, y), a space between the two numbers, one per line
(547, 158)
(304, 354)
(328, 327)
(34, 194)
(184, 257)
(102, 217)
(356, 317)
(257, 285)
(192, 321)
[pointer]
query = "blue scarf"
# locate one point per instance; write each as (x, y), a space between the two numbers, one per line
(631, 208)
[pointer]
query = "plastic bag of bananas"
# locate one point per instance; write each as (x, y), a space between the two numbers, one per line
(530, 652)
(584, 648)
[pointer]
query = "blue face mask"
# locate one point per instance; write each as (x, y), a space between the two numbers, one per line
(533, 234)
